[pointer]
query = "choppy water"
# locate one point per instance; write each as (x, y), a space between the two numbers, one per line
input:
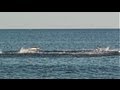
(59, 67)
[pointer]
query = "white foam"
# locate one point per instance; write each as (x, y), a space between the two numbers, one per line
(29, 50)
(0, 51)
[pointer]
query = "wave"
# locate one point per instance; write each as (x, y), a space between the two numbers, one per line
(60, 54)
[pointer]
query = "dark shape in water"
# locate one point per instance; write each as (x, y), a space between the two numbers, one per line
(76, 53)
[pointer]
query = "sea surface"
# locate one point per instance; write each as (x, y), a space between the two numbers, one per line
(105, 67)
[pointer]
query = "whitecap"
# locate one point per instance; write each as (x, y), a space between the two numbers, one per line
(0, 51)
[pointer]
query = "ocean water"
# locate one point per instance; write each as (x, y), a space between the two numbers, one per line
(105, 67)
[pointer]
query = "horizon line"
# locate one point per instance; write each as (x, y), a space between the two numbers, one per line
(68, 28)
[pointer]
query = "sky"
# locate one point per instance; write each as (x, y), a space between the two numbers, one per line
(48, 20)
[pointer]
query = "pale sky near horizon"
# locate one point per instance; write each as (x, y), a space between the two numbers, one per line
(50, 20)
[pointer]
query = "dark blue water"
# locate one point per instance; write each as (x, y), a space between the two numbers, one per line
(106, 67)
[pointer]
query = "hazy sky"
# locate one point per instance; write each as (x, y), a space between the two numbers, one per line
(59, 20)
